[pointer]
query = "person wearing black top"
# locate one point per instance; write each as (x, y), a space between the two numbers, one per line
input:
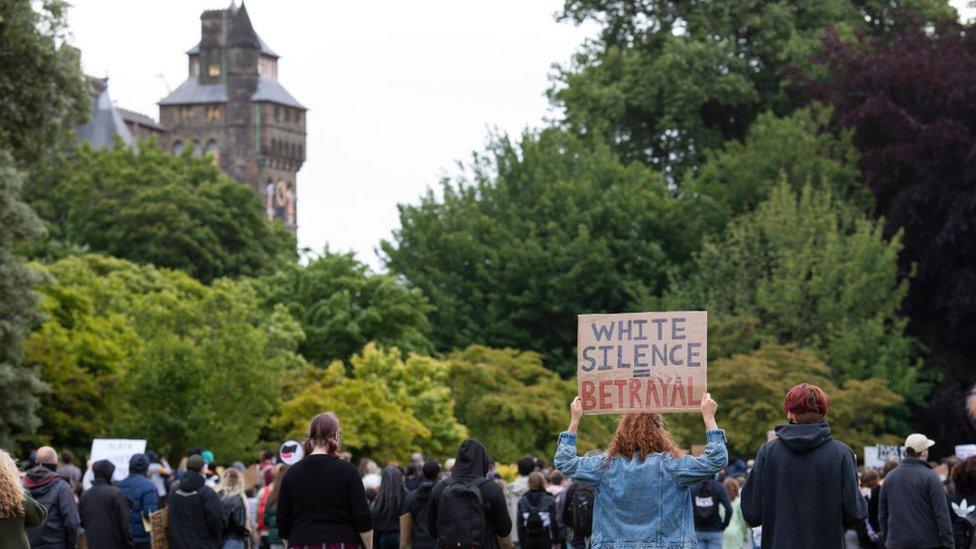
(387, 508)
(472, 464)
(413, 522)
(322, 499)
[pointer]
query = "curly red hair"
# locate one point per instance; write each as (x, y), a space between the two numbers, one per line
(640, 435)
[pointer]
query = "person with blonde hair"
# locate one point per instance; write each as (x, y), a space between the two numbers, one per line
(18, 510)
(736, 534)
(643, 480)
(234, 505)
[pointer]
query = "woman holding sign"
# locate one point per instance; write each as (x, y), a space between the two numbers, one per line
(643, 480)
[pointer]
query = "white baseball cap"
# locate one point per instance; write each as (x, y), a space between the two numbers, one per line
(918, 442)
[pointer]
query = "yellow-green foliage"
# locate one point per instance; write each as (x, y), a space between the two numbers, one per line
(750, 388)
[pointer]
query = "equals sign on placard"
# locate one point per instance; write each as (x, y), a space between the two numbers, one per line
(642, 372)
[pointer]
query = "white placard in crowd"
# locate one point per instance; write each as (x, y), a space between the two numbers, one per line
(118, 451)
(963, 451)
(876, 456)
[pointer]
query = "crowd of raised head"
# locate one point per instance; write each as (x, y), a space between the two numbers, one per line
(803, 489)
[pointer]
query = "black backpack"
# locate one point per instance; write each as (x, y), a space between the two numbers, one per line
(461, 521)
(704, 503)
(963, 521)
(535, 525)
(582, 510)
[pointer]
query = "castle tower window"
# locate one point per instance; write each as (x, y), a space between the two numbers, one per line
(213, 112)
(214, 70)
(214, 151)
(177, 147)
(277, 113)
(197, 149)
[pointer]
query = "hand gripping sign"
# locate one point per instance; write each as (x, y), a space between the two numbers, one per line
(642, 362)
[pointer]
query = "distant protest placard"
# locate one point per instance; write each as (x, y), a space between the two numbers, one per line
(118, 451)
(642, 362)
(875, 456)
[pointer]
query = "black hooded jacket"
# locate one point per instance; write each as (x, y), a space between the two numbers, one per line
(105, 511)
(196, 518)
(60, 530)
(472, 464)
(803, 489)
(417, 504)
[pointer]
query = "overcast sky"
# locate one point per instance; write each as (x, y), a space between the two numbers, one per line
(397, 92)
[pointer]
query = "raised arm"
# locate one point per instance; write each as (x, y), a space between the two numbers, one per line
(690, 469)
(566, 459)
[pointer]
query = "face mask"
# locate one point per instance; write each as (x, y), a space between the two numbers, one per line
(943, 477)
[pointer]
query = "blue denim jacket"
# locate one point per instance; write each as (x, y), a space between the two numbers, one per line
(643, 504)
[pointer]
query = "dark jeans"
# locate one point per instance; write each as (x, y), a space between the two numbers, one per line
(388, 540)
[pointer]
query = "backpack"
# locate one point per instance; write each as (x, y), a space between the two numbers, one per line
(704, 504)
(963, 520)
(582, 510)
(536, 526)
(461, 511)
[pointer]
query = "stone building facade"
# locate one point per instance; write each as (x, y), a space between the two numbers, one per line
(231, 106)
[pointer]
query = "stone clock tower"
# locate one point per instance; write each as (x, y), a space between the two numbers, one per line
(232, 106)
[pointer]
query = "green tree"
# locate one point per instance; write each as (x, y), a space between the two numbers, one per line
(42, 89)
(798, 148)
(83, 355)
(816, 273)
(540, 231)
(147, 206)
(19, 384)
(667, 80)
(201, 365)
(750, 389)
(514, 405)
(341, 306)
(388, 407)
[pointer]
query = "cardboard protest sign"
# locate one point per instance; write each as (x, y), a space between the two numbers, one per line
(159, 532)
(253, 476)
(642, 362)
(118, 451)
(876, 456)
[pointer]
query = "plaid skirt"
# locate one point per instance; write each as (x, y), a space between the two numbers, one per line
(329, 545)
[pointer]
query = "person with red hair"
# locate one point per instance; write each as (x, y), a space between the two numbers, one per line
(803, 489)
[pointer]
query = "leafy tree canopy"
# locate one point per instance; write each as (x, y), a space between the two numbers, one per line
(911, 103)
(388, 407)
(750, 388)
(816, 273)
(42, 89)
(799, 148)
(540, 231)
(514, 405)
(667, 80)
(19, 384)
(156, 354)
(341, 306)
(148, 206)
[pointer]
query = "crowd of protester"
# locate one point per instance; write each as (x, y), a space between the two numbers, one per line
(803, 489)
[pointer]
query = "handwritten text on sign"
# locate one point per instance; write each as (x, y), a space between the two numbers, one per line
(642, 362)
